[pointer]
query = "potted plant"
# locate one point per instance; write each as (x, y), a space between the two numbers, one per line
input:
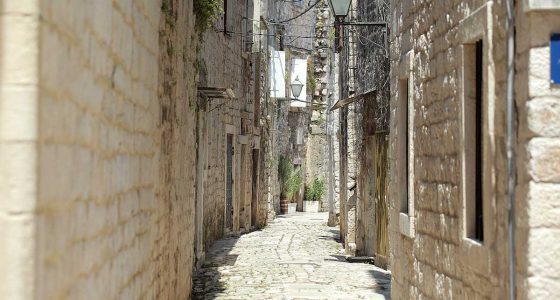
(285, 170)
(313, 194)
(294, 185)
(291, 181)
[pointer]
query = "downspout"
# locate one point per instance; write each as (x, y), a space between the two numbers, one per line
(511, 142)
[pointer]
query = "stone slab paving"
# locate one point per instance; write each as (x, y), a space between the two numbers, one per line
(294, 257)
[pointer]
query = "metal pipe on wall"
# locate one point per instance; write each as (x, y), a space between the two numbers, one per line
(510, 143)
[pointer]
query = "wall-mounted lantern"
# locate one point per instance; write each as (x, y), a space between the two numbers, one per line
(340, 10)
(296, 87)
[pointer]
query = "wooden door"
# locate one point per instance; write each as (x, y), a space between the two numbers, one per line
(381, 212)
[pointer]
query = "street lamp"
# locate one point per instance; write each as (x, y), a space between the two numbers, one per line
(340, 9)
(296, 87)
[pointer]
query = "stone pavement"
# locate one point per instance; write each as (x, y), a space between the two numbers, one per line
(294, 257)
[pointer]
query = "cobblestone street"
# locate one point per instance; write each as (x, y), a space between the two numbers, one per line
(294, 257)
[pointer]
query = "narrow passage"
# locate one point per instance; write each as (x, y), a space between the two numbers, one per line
(294, 257)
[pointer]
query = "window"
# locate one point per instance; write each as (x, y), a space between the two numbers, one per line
(474, 112)
(479, 112)
(248, 26)
(229, 182)
(404, 142)
(405, 146)
(299, 136)
(227, 17)
(255, 187)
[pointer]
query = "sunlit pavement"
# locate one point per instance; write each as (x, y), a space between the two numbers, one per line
(295, 257)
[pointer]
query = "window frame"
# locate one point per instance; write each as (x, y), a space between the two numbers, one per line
(478, 26)
(227, 16)
(230, 130)
(405, 161)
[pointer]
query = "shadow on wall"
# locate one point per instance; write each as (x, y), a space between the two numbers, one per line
(383, 281)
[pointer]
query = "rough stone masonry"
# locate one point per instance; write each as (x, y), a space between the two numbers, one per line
(94, 109)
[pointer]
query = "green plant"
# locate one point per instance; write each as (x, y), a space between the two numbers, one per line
(315, 191)
(291, 179)
(294, 183)
(311, 80)
(285, 170)
(206, 13)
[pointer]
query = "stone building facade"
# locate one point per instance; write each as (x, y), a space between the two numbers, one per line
(96, 110)
(235, 136)
(322, 150)
(364, 74)
(280, 122)
(448, 158)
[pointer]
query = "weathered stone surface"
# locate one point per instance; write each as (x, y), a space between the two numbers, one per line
(544, 116)
(445, 264)
(295, 257)
(93, 202)
(545, 162)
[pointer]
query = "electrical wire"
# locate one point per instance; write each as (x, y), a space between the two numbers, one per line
(298, 25)
(263, 34)
(297, 16)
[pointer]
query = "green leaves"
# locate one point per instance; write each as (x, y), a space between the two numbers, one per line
(290, 178)
(206, 12)
(315, 191)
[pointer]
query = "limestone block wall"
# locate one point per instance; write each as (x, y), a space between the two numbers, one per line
(538, 225)
(98, 181)
(371, 117)
(225, 64)
(19, 54)
(324, 124)
(430, 256)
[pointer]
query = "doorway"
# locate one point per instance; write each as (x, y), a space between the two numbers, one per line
(255, 187)
(229, 183)
(243, 212)
(201, 174)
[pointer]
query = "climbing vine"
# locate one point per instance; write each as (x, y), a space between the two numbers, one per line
(311, 80)
(206, 12)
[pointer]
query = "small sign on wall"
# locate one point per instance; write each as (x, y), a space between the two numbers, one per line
(555, 58)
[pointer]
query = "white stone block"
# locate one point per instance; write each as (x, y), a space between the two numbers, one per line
(544, 252)
(544, 164)
(19, 49)
(18, 113)
(17, 177)
(543, 116)
(17, 252)
(544, 207)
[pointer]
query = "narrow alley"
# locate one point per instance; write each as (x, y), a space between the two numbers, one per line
(297, 256)
(279, 149)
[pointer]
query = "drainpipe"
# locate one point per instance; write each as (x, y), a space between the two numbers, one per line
(511, 142)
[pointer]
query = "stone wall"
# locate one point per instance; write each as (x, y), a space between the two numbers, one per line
(105, 89)
(538, 225)
(225, 64)
(371, 120)
(19, 87)
(322, 150)
(431, 255)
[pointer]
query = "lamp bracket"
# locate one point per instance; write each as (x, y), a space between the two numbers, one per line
(383, 24)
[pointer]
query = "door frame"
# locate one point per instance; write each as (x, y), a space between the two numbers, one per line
(230, 130)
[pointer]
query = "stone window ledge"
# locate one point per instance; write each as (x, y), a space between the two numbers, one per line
(476, 256)
(541, 5)
(406, 225)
